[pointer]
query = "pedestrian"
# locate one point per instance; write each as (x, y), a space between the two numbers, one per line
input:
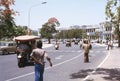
(86, 47)
(81, 44)
(111, 44)
(38, 55)
(108, 47)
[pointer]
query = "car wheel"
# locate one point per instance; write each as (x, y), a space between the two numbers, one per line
(4, 52)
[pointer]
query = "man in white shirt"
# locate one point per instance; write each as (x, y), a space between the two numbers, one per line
(38, 55)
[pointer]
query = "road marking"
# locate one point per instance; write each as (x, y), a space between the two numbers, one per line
(85, 79)
(12, 79)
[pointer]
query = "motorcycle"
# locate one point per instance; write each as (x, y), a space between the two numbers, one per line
(56, 46)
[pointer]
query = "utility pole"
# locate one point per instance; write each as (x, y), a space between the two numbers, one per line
(28, 29)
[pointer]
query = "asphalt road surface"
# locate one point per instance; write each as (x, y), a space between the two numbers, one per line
(68, 64)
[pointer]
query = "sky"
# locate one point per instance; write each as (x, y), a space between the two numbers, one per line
(67, 12)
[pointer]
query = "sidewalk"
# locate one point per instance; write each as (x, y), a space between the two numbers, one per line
(109, 70)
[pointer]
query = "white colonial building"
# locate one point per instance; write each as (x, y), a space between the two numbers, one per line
(101, 31)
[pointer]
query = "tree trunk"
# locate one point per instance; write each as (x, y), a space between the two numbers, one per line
(118, 34)
(118, 39)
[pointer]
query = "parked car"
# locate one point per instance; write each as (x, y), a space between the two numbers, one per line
(7, 47)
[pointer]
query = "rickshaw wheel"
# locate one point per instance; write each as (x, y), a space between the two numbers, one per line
(20, 64)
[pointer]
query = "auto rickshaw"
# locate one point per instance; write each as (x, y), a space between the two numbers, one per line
(76, 42)
(25, 45)
(68, 43)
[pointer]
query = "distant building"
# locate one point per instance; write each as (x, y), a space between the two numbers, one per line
(101, 31)
(90, 31)
(106, 30)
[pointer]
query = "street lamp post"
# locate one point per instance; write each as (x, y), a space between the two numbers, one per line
(28, 30)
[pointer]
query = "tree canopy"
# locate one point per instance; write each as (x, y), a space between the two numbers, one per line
(113, 15)
(7, 24)
(49, 28)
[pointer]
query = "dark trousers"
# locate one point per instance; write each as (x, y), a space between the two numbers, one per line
(86, 57)
(39, 70)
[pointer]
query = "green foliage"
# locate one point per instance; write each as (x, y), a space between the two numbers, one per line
(113, 14)
(71, 33)
(20, 30)
(47, 31)
(113, 11)
(7, 24)
(7, 28)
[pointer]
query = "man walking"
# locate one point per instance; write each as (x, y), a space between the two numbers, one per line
(86, 47)
(38, 55)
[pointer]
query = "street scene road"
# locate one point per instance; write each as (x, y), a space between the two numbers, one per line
(81, 46)
(68, 64)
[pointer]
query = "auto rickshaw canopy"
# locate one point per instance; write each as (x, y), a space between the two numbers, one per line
(26, 38)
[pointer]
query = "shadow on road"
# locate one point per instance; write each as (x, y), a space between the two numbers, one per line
(81, 74)
(109, 74)
(112, 74)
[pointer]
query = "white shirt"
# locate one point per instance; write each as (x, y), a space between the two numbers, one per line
(39, 54)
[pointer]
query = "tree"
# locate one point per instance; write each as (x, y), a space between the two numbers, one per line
(47, 31)
(53, 21)
(6, 18)
(71, 33)
(77, 33)
(48, 28)
(113, 14)
(20, 30)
